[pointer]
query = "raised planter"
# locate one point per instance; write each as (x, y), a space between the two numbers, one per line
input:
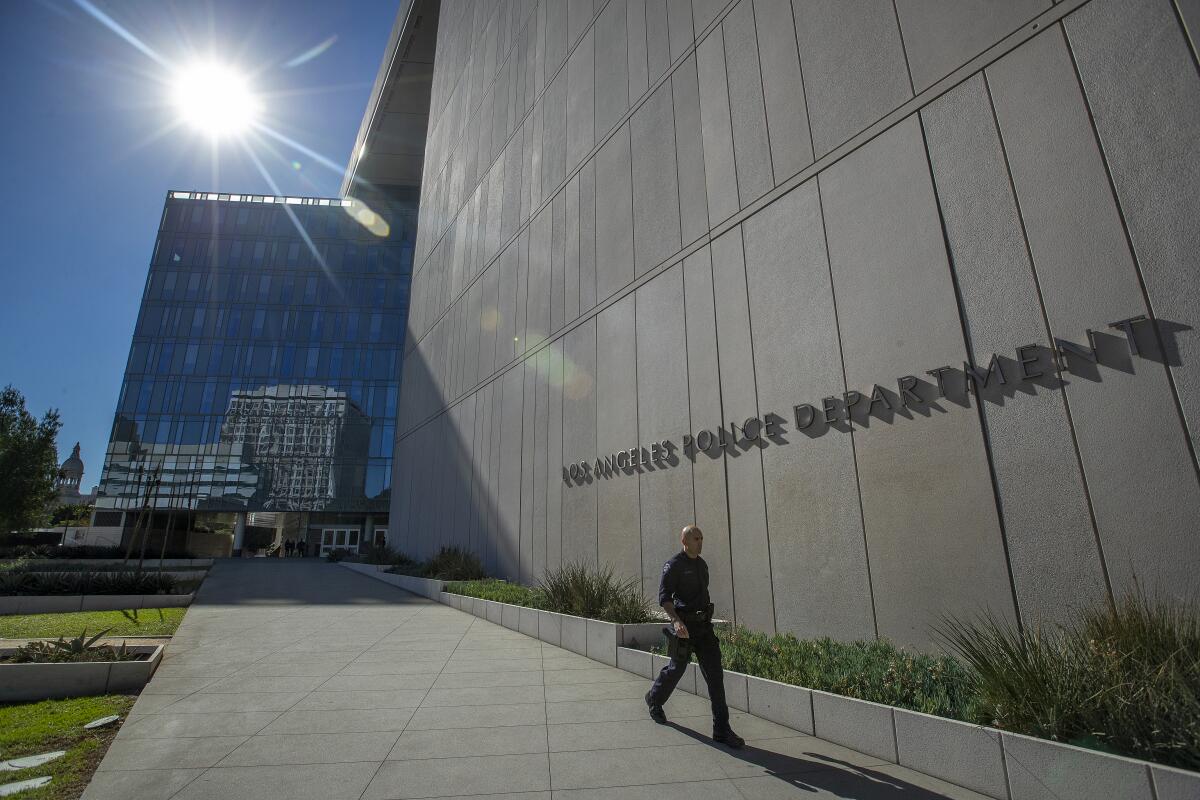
(26, 683)
(67, 603)
(149, 563)
(425, 587)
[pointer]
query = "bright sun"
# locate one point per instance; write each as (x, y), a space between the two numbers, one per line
(214, 99)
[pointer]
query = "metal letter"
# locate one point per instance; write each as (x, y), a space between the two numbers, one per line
(907, 386)
(1127, 326)
(687, 442)
(1070, 348)
(938, 373)
(757, 430)
(811, 412)
(618, 459)
(704, 440)
(981, 376)
(1025, 361)
(829, 409)
(851, 403)
(877, 396)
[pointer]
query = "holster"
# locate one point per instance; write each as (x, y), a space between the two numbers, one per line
(678, 649)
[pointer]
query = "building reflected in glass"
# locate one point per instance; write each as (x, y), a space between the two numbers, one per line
(264, 373)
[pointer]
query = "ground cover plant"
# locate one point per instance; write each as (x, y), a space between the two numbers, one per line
(82, 648)
(450, 564)
(1123, 678)
(25, 580)
(143, 622)
(30, 728)
(576, 589)
(78, 551)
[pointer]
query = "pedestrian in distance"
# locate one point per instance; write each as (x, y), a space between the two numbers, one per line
(683, 595)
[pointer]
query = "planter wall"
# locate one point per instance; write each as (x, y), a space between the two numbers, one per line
(27, 683)
(1000, 765)
(424, 587)
(149, 563)
(66, 603)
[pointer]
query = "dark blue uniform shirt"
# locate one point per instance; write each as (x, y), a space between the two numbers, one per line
(684, 583)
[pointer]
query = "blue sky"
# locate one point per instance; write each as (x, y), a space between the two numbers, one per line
(86, 164)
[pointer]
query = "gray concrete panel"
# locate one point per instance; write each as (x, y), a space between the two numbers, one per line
(579, 443)
(538, 310)
(635, 26)
(719, 173)
(579, 19)
(1051, 540)
(554, 135)
(496, 531)
(617, 501)
(506, 336)
(556, 36)
(587, 237)
(554, 455)
(612, 66)
(1145, 100)
(704, 405)
(783, 89)
(655, 188)
(558, 266)
(528, 440)
(508, 532)
(514, 163)
(751, 150)
(689, 148)
(679, 27)
(1147, 501)
(541, 428)
(666, 485)
(854, 68)
(818, 553)
(743, 467)
(704, 12)
(658, 48)
(489, 318)
(521, 321)
(581, 101)
(614, 215)
(933, 533)
(942, 35)
(571, 245)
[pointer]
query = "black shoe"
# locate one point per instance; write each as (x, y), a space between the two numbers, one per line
(656, 711)
(728, 738)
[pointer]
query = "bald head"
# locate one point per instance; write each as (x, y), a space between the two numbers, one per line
(692, 539)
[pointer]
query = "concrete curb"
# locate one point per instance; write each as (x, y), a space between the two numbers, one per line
(65, 604)
(27, 683)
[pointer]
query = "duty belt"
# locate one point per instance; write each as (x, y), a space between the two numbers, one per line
(695, 616)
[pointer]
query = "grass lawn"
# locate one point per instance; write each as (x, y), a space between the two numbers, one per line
(27, 729)
(146, 622)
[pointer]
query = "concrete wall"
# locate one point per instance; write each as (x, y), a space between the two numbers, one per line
(645, 218)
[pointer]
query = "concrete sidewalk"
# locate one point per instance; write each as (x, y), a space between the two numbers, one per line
(296, 679)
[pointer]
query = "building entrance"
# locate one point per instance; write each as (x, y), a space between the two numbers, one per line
(339, 539)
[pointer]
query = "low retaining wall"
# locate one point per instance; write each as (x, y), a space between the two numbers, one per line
(149, 563)
(1002, 765)
(66, 603)
(27, 683)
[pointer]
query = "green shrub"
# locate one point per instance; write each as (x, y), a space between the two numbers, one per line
(584, 591)
(877, 671)
(1125, 679)
(334, 556)
(453, 564)
(498, 590)
(385, 555)
(67, 582)
(67, 651)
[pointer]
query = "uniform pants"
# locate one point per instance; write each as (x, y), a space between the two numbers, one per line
(708, 654)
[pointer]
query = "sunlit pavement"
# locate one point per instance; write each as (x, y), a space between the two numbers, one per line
(301, 679)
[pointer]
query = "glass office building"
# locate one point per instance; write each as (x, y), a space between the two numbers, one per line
(264, 372)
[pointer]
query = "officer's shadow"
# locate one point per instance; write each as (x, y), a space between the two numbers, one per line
(818, 773)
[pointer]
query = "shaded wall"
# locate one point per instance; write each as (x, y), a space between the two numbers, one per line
(641, 220)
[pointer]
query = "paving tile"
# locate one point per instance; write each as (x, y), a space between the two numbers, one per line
(485, 696)
(467, 680)
(377, 683)
(311, 748)
(167, 685)
(625, 734)
(358, 720)
(390, 666)
(624, 690)
(234, 701)
(579, 770)
(318, 701)
(168, 725)
(125, 754)
(150, 703)
(291, 782)
(438, 777)
(299, 668)
(512, 740)
(558, 677)
(614, 710)
(747, 727)
(183, 669)
(690, 790)
(878, 783)
(491, 664)
(250, 683)
(477, 716)
(149, 784)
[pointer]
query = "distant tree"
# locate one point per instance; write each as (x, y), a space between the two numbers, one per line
(28, 463)
(73, 516)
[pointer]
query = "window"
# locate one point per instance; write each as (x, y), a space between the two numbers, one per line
(260, 253)
(260, 317)
(264, 288)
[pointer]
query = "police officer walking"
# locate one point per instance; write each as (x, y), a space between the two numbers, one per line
(683, 594)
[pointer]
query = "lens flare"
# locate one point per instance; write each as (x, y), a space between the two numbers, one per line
(214, 99)
(361, 213)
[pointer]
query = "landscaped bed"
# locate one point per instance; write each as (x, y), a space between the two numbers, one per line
(31, 728)
(143, 622)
